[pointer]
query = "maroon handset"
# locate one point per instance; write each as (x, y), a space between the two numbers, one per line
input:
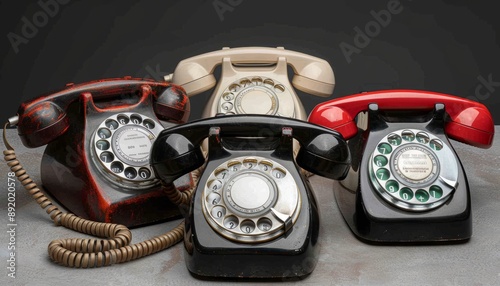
(98, 136)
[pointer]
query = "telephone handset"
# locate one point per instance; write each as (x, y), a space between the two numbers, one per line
(406, 183)
(254, 80)
(98, 137)
(253, 214)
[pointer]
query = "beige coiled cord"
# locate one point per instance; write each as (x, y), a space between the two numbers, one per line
(89, 253)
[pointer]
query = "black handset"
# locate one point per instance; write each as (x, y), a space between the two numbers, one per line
(253, 214)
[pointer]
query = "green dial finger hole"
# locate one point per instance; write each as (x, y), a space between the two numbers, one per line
(436, 192)
(406, 194)
(392, 186)
(422, 137)
(380, 160)
(383, 174)
(422, 196)
(436, 144)
(394, 139)
(384, 148)
(408, 135)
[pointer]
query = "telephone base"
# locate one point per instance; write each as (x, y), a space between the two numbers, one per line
(373, 222)
(291, 256)
(93, 198)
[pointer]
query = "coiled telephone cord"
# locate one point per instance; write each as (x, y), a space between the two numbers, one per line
(89, 253)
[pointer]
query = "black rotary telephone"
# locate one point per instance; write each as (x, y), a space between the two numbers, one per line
(253, 214)
(406, 183)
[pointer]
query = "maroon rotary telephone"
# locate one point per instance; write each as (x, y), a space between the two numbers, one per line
(98, 136)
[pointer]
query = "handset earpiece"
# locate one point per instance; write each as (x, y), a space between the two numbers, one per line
(472, 125)
(172, 105)
(174, 155)
(195, 77)
(41, 123)
(326, 156)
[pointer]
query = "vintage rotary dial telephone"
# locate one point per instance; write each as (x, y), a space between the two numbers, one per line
(253, 214)
(254, 80)
(98, 137)
(406, 183)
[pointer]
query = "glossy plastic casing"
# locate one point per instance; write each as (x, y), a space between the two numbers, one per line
(365, 119)
(290, 256)
(66, 121)
(467, 121)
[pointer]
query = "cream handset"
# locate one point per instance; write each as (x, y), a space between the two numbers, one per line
(254, 80)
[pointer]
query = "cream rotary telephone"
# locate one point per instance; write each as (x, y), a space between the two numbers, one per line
(254, 80)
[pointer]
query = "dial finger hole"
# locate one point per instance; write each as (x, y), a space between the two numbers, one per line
(392, 186)
(149, 123)
(104, 133)
(215, 185)
(111, 124)
(226, 106)
(279, 88)
(130, 173)
(144, 173)
(123, 119)
(436, 192)
(278, 173)
(117, 167)
(250, 163)
(231, 222)
(234, 87)
(380, 161)
(257, 80)
(245, 82)
(407, 135)
(406, 194)
(228, 96)
(436, 144)
(213, 198)
(218, 212)
(384, 148)
(383, 174)
(265, 166)
(136, 118)
(107, 157)
(268, 83)
(102, 145)
(264, 224)
(422, 137)
(222, 174)
(394, 139)
(247, 226)
(234, 166)
(422, 196)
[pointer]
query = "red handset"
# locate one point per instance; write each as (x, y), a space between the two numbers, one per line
(469, 121)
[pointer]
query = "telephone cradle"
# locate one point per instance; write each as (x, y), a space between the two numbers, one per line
(253, 214)
(406, 183)
(98, 136)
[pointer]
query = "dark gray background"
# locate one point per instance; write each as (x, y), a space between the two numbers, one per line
(443, 46)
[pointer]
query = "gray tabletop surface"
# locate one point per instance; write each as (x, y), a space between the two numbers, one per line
(343, 259)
